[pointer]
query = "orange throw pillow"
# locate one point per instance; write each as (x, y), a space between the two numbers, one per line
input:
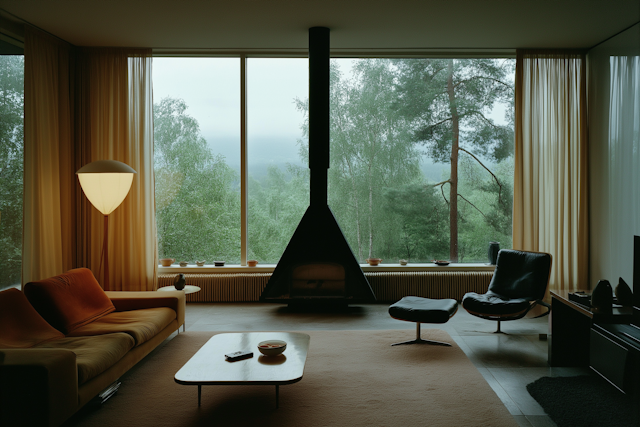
(20, 324)
(69, 300)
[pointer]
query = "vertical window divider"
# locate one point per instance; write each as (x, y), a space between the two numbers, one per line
(244, 177)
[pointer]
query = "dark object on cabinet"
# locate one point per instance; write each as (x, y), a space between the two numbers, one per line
(602, 297)
(519, 283)
(580, 297)
(624, 294)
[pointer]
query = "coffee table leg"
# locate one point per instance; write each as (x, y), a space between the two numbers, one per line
(277, 396)
(199, 394)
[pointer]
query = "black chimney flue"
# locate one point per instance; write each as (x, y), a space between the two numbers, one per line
(318, 266)
(319, 57)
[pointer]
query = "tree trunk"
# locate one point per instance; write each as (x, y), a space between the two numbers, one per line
(453, 183)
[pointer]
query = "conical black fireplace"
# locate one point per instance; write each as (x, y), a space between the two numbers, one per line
(318, 266)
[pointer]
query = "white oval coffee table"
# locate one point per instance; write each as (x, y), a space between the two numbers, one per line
(209, 366)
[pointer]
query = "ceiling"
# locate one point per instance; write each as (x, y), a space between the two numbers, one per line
(355, 24)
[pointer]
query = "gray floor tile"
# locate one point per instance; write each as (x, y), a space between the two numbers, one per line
(522, 421)
(540, 421)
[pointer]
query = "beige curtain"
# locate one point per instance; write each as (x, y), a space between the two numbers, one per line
(550, 212)
(83, 105)
(49, 162)
(115, 118)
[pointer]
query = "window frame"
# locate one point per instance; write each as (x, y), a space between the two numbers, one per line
(244, 176)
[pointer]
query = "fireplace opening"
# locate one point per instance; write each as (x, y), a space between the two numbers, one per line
(323, 280)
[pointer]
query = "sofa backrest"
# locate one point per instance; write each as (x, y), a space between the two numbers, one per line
(70, 300)
(20, 324)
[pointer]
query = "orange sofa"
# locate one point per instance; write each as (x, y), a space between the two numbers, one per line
(64, 340)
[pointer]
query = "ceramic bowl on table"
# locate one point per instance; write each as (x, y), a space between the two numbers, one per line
(374, 261)
(272, 347)
(441, 262)
(200, 263)
(252, 263)
(218, 263)
(166, 262)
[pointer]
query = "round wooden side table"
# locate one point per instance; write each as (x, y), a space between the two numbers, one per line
(188, 289)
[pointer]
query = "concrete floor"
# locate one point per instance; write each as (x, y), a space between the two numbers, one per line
(507, 361)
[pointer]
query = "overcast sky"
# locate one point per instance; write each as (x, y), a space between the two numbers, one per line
(211, 89)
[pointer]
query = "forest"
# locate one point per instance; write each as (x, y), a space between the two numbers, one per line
(387, 116)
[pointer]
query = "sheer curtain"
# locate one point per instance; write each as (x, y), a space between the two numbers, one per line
(49, 215)
(82, 105)
(624, 154)
(550, 212)
(115, 117)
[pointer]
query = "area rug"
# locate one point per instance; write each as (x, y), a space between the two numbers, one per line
(352, 378)
(583, 401)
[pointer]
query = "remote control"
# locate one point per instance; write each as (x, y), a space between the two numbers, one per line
(238, 355)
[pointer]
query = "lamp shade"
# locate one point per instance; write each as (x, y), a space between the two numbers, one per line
(106, 183)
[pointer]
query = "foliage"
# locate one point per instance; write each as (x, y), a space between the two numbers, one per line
(11, 167)
(197, 208)
(370, 150)
(384, 118)
(276, 206)
(422, 216)
(448, 101)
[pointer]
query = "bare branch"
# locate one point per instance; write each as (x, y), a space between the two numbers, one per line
(431, 127)
(488, 170)
(441, 184)
(483, 77)
(476, 208)
(486, 120)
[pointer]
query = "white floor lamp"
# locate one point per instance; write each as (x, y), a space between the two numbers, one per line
(106, 183)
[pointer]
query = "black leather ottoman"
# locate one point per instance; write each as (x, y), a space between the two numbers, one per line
(423, 310)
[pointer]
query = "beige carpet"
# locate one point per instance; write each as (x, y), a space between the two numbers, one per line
(352, 378)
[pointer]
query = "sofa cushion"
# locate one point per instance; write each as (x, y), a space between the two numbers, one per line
(70, 300)
(94, 355)
(20, 324)
(141, 324)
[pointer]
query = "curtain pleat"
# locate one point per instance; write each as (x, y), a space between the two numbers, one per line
(49, 158)
(118, 125)
(82, 105)
(550, 212)
(624, 154)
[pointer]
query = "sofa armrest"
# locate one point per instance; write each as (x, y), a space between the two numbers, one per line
(126, 301)
(38, 386)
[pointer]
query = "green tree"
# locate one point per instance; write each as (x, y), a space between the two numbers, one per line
(448, 101)
(197, 201)
(422, 216)
(11, 167)
(276, 205)
(371, 149)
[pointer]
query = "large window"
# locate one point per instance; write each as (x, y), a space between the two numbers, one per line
(11, 161)
(197, 156)
(421, 156)
(278, 171)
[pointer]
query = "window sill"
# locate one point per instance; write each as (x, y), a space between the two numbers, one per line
(268, 268)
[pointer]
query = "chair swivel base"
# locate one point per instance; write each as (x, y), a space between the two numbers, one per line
(419, 340)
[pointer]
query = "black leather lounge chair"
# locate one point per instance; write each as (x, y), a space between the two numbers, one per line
(519, 283)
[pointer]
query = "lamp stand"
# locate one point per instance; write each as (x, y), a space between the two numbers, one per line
(105, 252)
